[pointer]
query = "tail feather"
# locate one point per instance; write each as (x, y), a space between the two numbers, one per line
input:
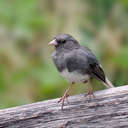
(108, 84)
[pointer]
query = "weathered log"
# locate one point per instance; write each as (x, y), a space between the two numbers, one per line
(108, 110)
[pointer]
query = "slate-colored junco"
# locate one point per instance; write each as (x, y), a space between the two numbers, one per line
(76, 63)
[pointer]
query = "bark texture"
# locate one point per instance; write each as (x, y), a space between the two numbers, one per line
(108, 110)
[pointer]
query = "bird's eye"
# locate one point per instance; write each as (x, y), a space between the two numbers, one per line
(63, 41)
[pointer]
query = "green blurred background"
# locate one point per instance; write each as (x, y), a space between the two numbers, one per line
(27, 73)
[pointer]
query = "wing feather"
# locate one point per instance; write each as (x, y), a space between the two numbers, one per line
(84, 61)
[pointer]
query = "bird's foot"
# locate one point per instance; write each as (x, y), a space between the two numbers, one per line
(90, 95)
(62, 100)
(64, 97)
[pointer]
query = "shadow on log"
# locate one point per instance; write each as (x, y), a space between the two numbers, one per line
(109, 109)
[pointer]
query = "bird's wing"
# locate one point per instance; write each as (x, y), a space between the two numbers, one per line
(84, 60)
(76, 60)
(94, 66)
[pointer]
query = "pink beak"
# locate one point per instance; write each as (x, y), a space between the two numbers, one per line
(53, 42)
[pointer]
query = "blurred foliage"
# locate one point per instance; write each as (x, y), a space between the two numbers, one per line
(27, 73)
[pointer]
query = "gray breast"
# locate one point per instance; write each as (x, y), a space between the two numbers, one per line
(59, 61)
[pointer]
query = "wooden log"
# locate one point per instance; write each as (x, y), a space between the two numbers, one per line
(108, 110)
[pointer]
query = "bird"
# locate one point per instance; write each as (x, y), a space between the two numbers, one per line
(76, 63)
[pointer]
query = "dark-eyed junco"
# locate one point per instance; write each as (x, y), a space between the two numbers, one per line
(76, 63)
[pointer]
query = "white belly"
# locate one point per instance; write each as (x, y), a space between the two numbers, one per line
(74, 76)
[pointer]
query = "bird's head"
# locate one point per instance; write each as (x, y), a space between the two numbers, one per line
(65, 41)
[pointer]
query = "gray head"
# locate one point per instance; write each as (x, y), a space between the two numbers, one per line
(65, 41)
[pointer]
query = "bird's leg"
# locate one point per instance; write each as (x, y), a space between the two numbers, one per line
(90, 92)
(66, 94)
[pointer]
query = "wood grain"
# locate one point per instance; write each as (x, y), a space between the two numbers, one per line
(108, 110)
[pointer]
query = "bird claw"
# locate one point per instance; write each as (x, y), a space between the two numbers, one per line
(65, 96)
(62, 99)
(90, 95)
